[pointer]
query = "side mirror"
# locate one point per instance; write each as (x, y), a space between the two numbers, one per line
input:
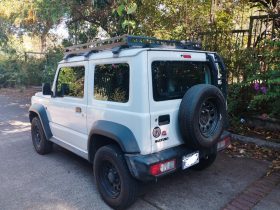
(65, 90)
(46, 89)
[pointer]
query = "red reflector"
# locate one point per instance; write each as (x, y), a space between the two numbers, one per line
(163, 167)
(186, 56)
(227, 140)
(224, 143)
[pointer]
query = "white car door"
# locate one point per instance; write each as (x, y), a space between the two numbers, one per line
(68, 107)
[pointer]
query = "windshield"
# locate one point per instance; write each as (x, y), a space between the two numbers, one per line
(171, 79)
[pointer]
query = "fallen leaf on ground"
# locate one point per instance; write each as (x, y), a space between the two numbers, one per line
(239, 150)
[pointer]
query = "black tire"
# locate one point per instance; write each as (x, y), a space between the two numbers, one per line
(39, 140)
(202, 116)
(205, 162)
(114, 182)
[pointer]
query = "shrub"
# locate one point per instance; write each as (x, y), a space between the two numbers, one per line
(16, 70)
(259, 92)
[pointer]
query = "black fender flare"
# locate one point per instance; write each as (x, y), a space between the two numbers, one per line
(40, 110)
(121, 134)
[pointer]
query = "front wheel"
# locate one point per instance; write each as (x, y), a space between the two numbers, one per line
(113, 179)
(41, 144)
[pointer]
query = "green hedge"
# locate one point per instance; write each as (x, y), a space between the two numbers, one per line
(18, 70)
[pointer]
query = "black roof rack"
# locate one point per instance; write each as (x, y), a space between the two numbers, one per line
(116, 44)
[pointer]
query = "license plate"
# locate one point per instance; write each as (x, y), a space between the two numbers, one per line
(190, 160)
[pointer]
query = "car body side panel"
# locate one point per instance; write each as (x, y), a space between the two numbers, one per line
(133, 114)
(119, 133)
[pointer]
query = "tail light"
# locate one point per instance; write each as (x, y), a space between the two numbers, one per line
(162, 167)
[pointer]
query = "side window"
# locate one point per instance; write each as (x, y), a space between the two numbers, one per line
(70, 81)
(111, 82)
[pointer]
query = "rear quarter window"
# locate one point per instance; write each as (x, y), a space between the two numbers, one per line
(171, 79)
(111, 82)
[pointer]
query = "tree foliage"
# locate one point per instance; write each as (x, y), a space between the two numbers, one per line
(87, 20)
(267, 6)
(35, 17)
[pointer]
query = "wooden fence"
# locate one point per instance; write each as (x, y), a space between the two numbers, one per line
(240, 47)
(260, 28)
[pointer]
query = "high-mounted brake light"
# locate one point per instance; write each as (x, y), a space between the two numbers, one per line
(160, 168)
(186, 56)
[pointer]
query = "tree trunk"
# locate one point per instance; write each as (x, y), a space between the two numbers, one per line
(213, 10)
(43, 42)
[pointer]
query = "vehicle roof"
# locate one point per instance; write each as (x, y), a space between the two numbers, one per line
(130, 52)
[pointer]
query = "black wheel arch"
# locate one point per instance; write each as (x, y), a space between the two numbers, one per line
(38, 110)
(106, 132)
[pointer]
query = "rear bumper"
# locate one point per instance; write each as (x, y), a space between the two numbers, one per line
(139, 165)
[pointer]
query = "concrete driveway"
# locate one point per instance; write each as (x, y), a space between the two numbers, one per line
(61, 180)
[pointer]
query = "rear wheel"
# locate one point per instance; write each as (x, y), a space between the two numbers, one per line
(41, 144)
(113, 179)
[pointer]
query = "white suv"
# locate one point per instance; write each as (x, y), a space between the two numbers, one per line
(138, 108)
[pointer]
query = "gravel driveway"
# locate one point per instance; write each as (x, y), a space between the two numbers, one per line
(62, 180)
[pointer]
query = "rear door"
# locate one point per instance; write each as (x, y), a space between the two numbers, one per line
(171, 74)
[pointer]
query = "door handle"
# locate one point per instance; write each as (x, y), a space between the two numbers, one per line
(164, 119)
(78, 109)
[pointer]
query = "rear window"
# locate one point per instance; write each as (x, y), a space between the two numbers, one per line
(171, 79)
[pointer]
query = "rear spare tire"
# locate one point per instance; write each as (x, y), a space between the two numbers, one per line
(202, 115)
